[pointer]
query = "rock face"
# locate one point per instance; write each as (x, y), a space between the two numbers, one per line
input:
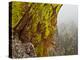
(22, 50)
(35, 29)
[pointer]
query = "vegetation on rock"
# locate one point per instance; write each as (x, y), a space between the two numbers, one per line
(36, 23)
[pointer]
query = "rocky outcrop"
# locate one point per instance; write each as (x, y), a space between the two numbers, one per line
(37, 26)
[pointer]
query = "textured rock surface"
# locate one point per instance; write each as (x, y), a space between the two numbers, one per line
(37, 26)
(22, 50)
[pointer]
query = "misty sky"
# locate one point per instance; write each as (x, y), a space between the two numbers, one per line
(68, 14)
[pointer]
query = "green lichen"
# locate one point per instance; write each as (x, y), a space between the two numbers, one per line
(42, 23)
(18, 10)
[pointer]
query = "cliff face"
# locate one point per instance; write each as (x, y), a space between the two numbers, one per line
(35, 23)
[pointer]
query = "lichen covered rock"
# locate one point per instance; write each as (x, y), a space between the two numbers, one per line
(37, 25)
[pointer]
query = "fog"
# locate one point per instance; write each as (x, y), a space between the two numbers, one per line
(68, 14)
(67, 24)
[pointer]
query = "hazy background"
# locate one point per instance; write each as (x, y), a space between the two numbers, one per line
(67, 24)
(68, 14)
